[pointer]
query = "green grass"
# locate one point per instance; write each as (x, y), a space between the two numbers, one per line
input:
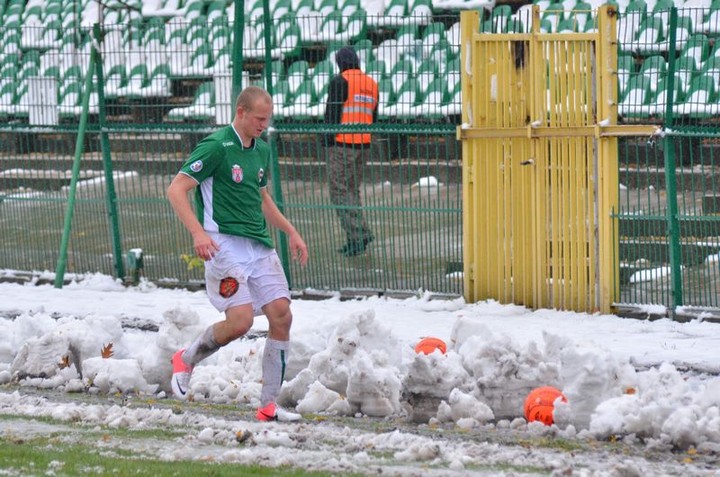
(52, 456)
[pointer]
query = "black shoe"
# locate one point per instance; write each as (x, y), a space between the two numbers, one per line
(356, 247)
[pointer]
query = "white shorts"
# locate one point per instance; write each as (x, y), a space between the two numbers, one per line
(244, 271)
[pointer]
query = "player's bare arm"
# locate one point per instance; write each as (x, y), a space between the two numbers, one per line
(177, 194)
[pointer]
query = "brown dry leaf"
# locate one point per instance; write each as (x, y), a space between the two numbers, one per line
(107, 351)
(64, 362)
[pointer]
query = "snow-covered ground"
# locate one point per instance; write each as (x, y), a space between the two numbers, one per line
(652, 386)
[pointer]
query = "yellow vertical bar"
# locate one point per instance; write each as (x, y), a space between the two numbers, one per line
(469, 23)
(606, 79)
(538, 99)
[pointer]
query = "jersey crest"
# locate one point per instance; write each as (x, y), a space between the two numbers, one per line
(228, 287)
(196, 166)
(237, 173)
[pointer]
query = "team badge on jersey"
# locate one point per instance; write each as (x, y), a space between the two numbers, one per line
(196, 166)
(228, 287)
(261, 173)
(237, 173)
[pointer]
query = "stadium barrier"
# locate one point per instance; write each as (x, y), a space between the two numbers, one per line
(84, 176)
(166, 79)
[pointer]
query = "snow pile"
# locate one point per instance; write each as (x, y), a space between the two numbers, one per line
(352, 362)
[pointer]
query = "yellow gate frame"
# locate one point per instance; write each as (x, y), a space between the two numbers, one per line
(540, 167)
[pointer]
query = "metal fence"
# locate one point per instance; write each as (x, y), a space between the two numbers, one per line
(166, 79)
(169, 77)
(668, 76)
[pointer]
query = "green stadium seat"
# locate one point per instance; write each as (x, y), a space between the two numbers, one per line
(628, 24)
(402, 72)
(427, 72)
(568, 25)
(70, 98)
(349, 7)
(388, 52)
(281, 99)
(685, 70)
(7, 95)
(581, 13)
(355, 27)
(321, 75)
(115, 80)
(309, 24)
(376, 69)
(216, 10)
(697, 48)
(636, 98)
(552, 16)
(408, 97)
(167, 8)
(289, 45)
(277, 70)
(202, 107)
(137, 79)
(304, 104)
(326, 7)
(394, 14)
(626, 70)
(434, 97)
(297, 74)
(453, 105)
(223, 60)
(499, 17)
(420, 12)
(159, 84)
(280, 8)
(28, 70)
(655, 68)
(651, 37)
(702, 92)
(694, 11)
(432, 35)
(364, 51)
(407, 37)
(659, 104)
(386, 97)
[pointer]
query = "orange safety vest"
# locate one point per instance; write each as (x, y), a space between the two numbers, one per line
(359, 106)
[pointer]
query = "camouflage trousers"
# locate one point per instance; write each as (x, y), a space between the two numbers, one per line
(345, 167)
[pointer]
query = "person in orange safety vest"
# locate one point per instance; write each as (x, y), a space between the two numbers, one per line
(352, 100)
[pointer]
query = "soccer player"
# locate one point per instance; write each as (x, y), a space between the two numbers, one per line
(228, 172)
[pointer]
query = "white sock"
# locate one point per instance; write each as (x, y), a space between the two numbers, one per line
(203, 346)
(274, 360)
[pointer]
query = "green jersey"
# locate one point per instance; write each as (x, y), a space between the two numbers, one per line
(230, 177)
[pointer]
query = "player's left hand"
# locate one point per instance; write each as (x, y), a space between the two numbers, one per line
(298, 249)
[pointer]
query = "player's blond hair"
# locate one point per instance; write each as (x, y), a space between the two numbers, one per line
(249, 96)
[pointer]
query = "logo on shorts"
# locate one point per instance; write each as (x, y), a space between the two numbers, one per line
(237, 173)
(228, 287)
(196, 166)
(261, 173)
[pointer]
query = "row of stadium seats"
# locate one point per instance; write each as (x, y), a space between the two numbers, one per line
(143, 61)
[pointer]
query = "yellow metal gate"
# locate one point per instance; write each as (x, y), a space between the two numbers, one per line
(540, 167)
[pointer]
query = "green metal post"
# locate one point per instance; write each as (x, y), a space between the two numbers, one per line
(673, 224)
(282, 247)
(110, 196)
(237, 52)
(79, 143)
